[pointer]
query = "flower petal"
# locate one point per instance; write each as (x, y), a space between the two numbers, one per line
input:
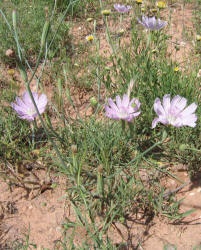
(125, 100)
(136, 114)
(27, 99)
(112, 104)
(42, 102)
(155, 122)
(189, 110)
(118, 102)
(190, 120)
(20, 110)
(159, 108)
(175, 100)
(181, 104)
(166, 103)
(110, 113)
(20, 103)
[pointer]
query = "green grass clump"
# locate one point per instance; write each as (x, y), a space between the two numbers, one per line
(31, 16)
(77, 8)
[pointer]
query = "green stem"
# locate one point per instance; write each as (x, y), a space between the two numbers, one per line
(148, 40)
(45, 128)
(193, 149)
(121, 20)
(123, 125)
(131, 128)
(33, 135)
(100, 184)
(101, 4)
(108, 36)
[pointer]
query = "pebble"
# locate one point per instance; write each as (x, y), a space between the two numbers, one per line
(191, 194)
(58, 229)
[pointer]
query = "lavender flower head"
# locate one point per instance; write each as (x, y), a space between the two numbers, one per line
(25, 108)
(174, 112)
(122, 8)
(123, 109)
(152, 23)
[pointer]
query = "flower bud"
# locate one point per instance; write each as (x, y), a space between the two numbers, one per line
(177, 48)
(93, 101)
(14, 17)
(11, 72)
(90, 19)
(44, 34)
(74, 149)
(46, 12)
(106, 12)
(139, 1)
(121, 32)
(183, 147)
(100, 169)
(154, 10)
(161, 5)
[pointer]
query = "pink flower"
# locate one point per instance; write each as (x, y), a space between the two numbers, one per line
(122, 8)
(174, 112)
(25, 108)
(123, 109)
(151, 23)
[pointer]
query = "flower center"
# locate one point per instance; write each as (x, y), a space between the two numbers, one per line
(122, 113)
(173, 114)
(31, 111)
(171, 119)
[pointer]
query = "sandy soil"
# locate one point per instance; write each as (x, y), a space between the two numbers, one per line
(43, 216)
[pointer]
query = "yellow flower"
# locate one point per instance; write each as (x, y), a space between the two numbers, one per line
(198, 38)
(121, 31)
(154, 50)
(90, 19)
(76, 64)
(154, 10)
(199, 73)
(176, 69)
(106, 12)
(90, 38)
(138, 1)
(161, 5)
(143, 9)
(11, 72)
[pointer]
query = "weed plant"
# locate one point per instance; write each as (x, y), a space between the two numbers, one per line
(113, 172)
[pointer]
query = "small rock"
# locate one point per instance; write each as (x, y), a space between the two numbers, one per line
(191, 194)
(10, 53)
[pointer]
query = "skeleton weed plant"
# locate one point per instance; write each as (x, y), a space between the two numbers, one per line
(102, 166)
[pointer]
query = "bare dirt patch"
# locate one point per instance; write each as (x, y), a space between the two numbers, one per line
(182, 33)
(43, 216)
